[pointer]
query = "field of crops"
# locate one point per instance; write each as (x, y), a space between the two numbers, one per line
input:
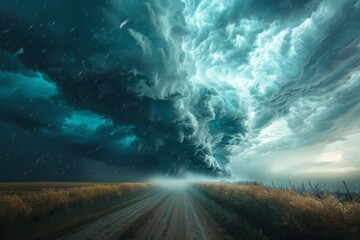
(31, 204)
(22, 187)
(280, 214)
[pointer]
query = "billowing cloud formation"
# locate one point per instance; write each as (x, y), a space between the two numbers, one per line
(109, 78)
(297, 65)
(176, 86)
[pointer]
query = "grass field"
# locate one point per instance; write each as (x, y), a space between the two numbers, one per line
(22, 187)
(44, 208)
(260, 213)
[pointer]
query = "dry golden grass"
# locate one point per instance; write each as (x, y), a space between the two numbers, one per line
(20, 187)
(288, 214)
(12, 207)
(39, 203)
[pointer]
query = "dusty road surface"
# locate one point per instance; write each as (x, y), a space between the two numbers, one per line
(168, 214)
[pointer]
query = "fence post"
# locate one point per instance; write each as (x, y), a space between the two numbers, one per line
(347, 190)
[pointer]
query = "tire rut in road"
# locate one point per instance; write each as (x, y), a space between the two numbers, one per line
(106, 227)
(174, 218)
(170, 214)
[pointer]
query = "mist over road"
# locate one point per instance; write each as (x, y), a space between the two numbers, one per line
(168, 214)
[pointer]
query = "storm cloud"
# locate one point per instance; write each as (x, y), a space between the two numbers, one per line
(109, 79)
(176, 86)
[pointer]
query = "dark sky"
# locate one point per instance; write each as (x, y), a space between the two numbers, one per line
(114, 90)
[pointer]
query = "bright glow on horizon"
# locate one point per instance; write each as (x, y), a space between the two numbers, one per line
(187, 179)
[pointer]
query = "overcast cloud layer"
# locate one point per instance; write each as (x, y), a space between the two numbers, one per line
(179, 86)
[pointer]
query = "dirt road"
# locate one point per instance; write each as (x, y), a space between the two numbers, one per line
(168, 214)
